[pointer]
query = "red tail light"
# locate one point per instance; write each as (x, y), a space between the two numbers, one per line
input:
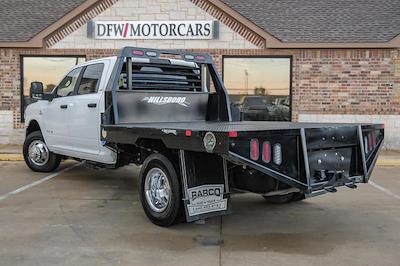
(254, 149)
(266, 152)
(138, 52)
(200, 57)
(232, 134)
(370, 144)
(188, 133)
(374, 138)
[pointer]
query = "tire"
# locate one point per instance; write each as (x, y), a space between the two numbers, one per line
(298, 196)
(46, 161)
(169, 209)
(280, 199)
(283, 199)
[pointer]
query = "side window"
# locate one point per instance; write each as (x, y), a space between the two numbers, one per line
(67, 85)
(90, 79)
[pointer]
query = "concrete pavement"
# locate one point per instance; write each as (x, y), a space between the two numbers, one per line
(91, 217)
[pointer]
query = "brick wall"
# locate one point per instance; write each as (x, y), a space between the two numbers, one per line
(328, 81)
(10, 129)
(348, 81)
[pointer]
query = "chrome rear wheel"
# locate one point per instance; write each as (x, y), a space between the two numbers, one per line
(160, 191)
(157, 190)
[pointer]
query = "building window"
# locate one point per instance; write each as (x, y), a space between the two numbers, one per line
(259, 87)
(46, 69)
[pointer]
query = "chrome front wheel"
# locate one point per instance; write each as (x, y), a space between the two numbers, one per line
(38, 153)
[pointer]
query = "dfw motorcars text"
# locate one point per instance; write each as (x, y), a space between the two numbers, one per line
(168, 29)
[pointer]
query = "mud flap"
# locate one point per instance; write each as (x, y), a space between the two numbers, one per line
(204, 184)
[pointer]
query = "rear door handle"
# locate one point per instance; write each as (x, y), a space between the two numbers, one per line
(91, 105)
(64, 106)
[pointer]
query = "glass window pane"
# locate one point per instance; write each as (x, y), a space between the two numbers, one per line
(259, 88)
(90, 79)
(67, 85)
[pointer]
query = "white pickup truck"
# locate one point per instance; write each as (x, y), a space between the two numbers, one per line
(172, 117)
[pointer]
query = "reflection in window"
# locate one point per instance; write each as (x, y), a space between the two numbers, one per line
(48, 69)
(90, 79)
(259, 88)
(67, 85)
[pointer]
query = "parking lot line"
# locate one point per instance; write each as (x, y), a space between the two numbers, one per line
(37, 182)
(385, 190)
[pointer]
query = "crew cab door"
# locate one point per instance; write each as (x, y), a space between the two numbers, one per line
(84, 115)
(55, 114)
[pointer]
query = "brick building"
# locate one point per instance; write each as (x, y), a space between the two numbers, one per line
(331, 61)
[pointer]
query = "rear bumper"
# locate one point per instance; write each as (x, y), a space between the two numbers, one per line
(350, 182)
(316, 160)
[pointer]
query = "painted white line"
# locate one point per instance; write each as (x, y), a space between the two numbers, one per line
(44, 179)
(385, 190)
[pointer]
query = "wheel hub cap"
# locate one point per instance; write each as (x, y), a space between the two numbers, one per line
(157, 190)
(38, 152)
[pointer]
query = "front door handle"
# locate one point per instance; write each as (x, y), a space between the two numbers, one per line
(91, 105)
(64, 106)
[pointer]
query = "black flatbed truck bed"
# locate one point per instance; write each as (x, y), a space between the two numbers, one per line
(194, 124)
(224, 126)
(310, 140)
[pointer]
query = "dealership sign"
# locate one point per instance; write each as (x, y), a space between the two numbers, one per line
(188, 30)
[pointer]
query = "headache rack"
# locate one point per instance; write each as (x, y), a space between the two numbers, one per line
(150, 76)
(139, 72)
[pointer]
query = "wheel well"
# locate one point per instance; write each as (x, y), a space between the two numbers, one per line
(33, 126)
(151, 144)
(143, 147)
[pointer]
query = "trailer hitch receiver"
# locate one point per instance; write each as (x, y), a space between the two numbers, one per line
(334, 178)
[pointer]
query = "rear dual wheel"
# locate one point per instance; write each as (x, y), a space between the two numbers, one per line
(283, 199)
(160, 191)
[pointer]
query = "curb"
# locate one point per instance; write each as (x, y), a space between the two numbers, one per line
(11, 157)
(19, 157)
(388, 162)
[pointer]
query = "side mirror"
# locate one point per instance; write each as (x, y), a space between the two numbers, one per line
(36, 90)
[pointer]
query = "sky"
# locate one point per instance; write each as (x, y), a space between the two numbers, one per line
(271, 73)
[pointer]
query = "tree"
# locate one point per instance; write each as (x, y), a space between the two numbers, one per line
(260, 91)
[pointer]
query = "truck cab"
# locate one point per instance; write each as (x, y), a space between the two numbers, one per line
(70, 117)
